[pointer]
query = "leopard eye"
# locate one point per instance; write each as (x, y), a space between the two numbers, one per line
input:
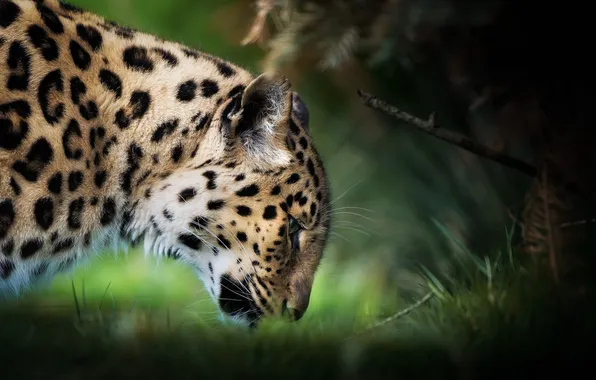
(293, 225)
(294, 229)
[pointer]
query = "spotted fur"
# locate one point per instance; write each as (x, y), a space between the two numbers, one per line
(111, 135)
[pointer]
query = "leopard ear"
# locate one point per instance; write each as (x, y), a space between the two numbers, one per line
(261, 122)
(266, 103)
(300, 111)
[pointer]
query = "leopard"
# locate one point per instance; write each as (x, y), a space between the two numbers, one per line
(111, 136)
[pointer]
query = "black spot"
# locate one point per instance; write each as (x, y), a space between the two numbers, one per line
(294, 128)
(187, 194)
(9, 12)
(167, 214)
(223, 242)
(10, 137)
(282, 231)
(302, 201)
(75, 180)
(38, 158)
(186, 91)
(255, 247)
(108, 145)
(191, 53)
(209, 88)
(135, 154)
(164, 129)
(72, 131)
(225, 69)
(303, 143)
(122, 120)
(191, 241)
(77, 89)
(6, 266)
(43, 42)
(295, 177)
(139, 102)
(270, 213)
(290, 200)
(211, 176)
(51, 82)
(242, 237)
(93, 201)
(31, 247)
(90, 35)
(55, 183)
(100, 178)
(319, 196)
(170, 58)
(19, 63)
(215, 205)
(111, 82)
(243, 210)
(313, 209)
(89, 111)
(108, 211)
(7, 215)
(16, 188)
(44, 212)
(63, 245)
(50, 19)
(239, 177)
(79, 55)
(199, 222)
(176, 153)
(92, 137)
(75, 213)
(248, 191)
(136, 58)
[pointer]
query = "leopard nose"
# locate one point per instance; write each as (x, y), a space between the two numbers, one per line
(291, 313)
(295, 314)
(298, 302)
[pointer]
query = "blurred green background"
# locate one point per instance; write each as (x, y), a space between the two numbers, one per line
(393, 187)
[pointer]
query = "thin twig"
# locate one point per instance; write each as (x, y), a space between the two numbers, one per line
(578, 223)
(397, 315)
(431, 127)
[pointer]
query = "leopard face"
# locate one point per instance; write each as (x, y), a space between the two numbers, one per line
(253, 222)
(111, 135)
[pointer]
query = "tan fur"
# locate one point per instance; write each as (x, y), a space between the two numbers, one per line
(212, 143)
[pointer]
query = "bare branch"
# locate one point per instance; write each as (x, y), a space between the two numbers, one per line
(431, 127)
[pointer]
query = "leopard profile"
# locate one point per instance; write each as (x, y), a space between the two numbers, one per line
(111, 135)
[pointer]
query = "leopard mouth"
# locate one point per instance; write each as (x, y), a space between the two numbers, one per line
(236, 301)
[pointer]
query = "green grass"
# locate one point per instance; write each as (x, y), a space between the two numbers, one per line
(502, 321)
